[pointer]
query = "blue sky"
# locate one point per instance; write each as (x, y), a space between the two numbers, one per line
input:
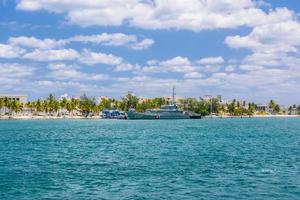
(237, 48)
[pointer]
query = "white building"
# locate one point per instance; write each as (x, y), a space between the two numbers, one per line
(18, 97)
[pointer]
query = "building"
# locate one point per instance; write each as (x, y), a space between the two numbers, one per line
(21, 98)
(293, 111)
(263, 108)
(101, 98)
(210, 97)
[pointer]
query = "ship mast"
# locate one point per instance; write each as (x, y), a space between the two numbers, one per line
(173, 95)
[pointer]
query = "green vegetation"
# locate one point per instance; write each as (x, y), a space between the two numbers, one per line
(275, 108)
(87, 106)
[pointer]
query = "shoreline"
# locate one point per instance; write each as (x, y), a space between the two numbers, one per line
(253, 116)
(44, 117)
(98, 117)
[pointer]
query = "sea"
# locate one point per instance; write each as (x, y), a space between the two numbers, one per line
(248, 158)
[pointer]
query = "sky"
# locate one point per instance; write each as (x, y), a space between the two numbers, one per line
(243, 49)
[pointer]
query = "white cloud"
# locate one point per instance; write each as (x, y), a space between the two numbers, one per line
(159, 14)
(15, 70)
(183, 65)
(61, 66)
(14, 74)
(176, 61)
(251, 67)
(52, 55)
(114, 39)
(193, 75)
(177, 64)
(272, 44)
(144, 44)
(92, 58)
(211, 68)
(274, 58)
(126, 67)
(15, 45)
(62, 85)
(229, 68)
(33, 42)
(269, 38)
(66, 72)
(8, 51)
(211, 61)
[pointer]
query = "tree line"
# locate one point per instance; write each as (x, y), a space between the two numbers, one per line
(87, 106)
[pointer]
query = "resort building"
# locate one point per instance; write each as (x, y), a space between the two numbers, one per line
(101, 98)
(210, 97)
(293, 111)
(263, 108)
(21, 98)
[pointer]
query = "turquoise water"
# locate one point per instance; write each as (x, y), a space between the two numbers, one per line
(181, 159)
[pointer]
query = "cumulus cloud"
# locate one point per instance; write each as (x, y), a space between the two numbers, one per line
(229, 68)
(193, 75)
(61, 71)
(274, 57)
(144, 44)
(92, 58)
(251, 67)
(211, 61)
(107, 39)
(190, 68)
(32, 42)
(12, 74)
(52, 55)
(177, 64)
(63, 86)
(269, 38)
(159, 14)
(114, 39)
(8, 51)
(15, 70)
(126, 67)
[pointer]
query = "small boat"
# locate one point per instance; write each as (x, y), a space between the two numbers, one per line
(113, 114)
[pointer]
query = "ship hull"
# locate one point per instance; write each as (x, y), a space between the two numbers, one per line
(150, 116)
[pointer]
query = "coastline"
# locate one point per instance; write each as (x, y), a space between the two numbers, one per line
(45, 117)
(98, 117)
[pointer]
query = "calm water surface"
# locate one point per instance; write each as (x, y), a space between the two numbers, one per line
(182, 159)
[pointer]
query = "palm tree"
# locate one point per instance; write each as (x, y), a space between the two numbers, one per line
(1, 105)
(129, 101)
(50, 101)
(277, 108)
(45, 107)
(63, 103)
(87, 105)
(30, 105)
(231, 107)
(272, 104)
(16, 106)
(55, 106)
(6, 102)
(74, 104)
(68, 106)
(251, 109)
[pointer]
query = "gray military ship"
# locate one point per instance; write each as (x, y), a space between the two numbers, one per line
(165, 112)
